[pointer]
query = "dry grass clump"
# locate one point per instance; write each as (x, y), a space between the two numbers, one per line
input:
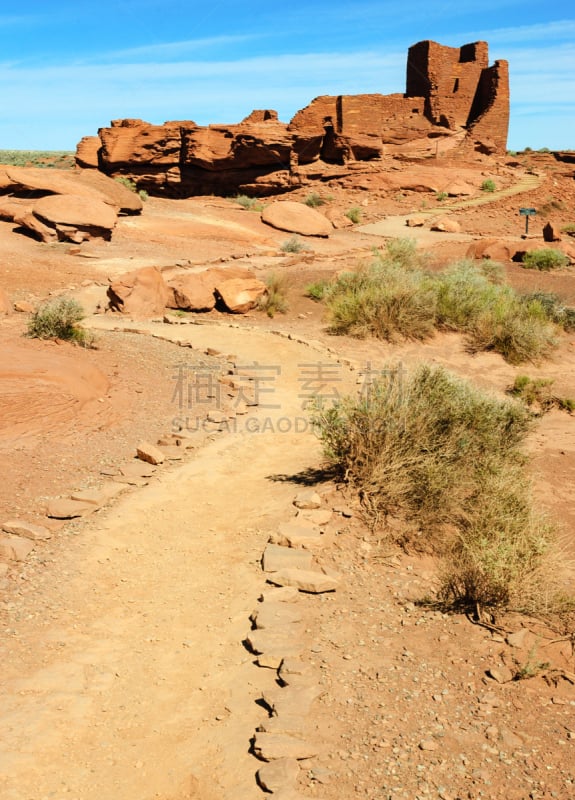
(393, 298)
(60, 319)
(274, 301)
(446, 458)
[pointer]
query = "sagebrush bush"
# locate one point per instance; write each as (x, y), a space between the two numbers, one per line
(318, 289)
(249, 203)
(393, 298)
(314, 200)
(545, 259)
(488, 185)
(60, 319)
(293, 245)
(433, 450)
(354, 214)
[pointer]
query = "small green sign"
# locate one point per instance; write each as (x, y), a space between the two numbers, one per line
(527, 212)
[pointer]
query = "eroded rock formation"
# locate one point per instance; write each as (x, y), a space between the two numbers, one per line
(454, 101)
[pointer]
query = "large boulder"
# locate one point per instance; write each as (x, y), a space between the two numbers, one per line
(141, 293)
(446, 225)
(87, 152)
(115, 193)
(495, 249)
(240, 294)
(287, 215)
(75, 218)
(192, 292)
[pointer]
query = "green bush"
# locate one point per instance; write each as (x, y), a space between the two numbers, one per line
(437, 453)
(143, 195)
(441, 196)
(354, 214)
(555, 310)
(488, 185)
(314, 200)
(545, 259)
(569, 229)
(317, 290)
(249, 203)
(128, 183)
(275, 300)
(59, 319)
(536, 394)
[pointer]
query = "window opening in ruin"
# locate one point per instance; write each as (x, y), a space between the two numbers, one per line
(456, 86)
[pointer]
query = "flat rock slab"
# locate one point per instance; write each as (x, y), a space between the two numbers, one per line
(290, 724)
(288, 215)
(315, 516)
(279, 594)
(281, 642)
(280, 774)
(290, 534)
(292, 700)
(272, 746)
(101, 496)
(272, 615)
(276, 558)
(28, 530)
(137, 469)
(69, 509)
(14, 548)
(304, 580)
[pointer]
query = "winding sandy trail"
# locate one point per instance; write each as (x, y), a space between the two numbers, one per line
(124, 675)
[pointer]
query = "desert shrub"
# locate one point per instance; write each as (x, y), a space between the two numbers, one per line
(519, 331)
(318, 290)
(292, 245)
(314, 200)
(143, 194)
(354, 214)
(555, 310)
(488, 185)
(569, 229)
(275, 300)
(389, 300)
(249, 203)
(127, 182)
(382, 300)
(441, 196)
(537, 395)
(433, 450)
(545, 259)
(403, 253)
(60, 319)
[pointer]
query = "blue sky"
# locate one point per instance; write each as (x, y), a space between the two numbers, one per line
(68, 67)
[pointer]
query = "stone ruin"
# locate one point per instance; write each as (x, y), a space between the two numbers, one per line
(454, 103)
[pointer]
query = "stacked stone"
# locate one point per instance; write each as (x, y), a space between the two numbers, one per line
(278, 640)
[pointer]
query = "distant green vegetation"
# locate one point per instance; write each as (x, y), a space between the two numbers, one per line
(249, 203)
(488, 185)
(60, 159)
(354, 214)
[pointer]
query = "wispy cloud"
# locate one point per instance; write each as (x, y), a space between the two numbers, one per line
(545, 32)
(172, 50)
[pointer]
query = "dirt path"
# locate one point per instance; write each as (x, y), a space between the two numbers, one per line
(132, 682)
(395, 226)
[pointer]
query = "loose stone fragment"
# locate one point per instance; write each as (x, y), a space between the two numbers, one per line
(149, 453)
(28, 530)
(273, 615)
(276, 775)
(277, 558)
(14, 548)
(69, 509)
(271, 746)
(304, 580)
(308, 498)
(279, 594)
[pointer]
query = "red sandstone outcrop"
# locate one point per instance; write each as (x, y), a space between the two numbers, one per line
(287, 215)
(453, 101)
(142, 292)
